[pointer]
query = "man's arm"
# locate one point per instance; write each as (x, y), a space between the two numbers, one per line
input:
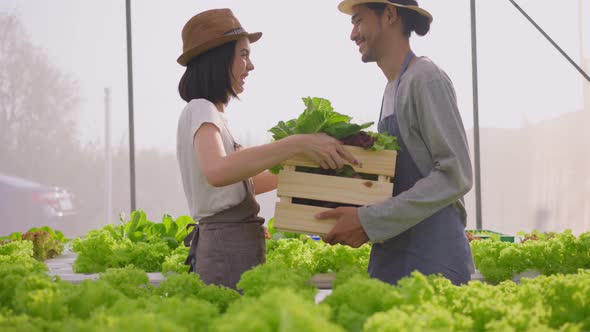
(450, 178)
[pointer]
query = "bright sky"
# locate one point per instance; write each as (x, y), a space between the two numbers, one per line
(305, 51)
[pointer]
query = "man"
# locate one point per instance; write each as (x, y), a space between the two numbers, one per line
(422, 226)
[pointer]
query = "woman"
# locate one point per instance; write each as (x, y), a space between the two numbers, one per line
(220, 180)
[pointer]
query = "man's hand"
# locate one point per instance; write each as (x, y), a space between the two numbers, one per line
(266, 233)
(348, 229)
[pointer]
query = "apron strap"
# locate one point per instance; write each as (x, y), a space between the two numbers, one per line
(189, 235)
(398, 80)
(401, 72)
(191, 240)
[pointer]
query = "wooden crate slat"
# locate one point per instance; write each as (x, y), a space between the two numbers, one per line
(300, 219)
(332, 188)
(370, 162)
(287, 199)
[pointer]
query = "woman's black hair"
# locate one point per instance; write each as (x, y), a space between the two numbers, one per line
(411, 19)
(208, 75)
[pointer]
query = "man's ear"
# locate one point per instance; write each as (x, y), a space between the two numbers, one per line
(391, 14)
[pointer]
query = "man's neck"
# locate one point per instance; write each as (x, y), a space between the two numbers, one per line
(393, 60)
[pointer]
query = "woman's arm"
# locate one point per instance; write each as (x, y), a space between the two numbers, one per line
(222, 170)
(265, 182)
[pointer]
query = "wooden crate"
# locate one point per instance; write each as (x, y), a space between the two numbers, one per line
(299, 218)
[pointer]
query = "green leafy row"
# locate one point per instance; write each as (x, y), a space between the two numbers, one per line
(18, 236)
(430, 303)
(495, 260)
(147, 245)
(109, 247)
(558, 253)
(316, 257)
(276, 297)
(139, 229)
(46, 242)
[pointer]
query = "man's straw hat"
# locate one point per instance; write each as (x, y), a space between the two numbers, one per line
(346, 6)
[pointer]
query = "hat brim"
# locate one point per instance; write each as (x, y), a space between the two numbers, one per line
(185, 58)
(346, 7)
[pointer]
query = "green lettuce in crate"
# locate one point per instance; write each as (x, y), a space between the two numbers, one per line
(319, 117)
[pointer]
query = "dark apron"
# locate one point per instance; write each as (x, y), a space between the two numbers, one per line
(435, 245)
(228, 243)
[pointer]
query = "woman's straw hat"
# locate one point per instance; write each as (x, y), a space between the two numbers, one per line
(210, 29)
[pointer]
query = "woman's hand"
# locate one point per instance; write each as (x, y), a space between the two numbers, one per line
(223, 169)
(325, 150)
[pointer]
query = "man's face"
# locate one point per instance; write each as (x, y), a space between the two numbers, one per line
(366, 32)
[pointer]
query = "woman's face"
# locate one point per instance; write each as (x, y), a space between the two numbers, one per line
(241, 65)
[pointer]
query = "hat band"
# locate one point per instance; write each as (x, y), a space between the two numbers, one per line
(236, 31)
(404, 2)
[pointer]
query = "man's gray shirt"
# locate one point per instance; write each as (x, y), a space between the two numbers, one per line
(432, 130)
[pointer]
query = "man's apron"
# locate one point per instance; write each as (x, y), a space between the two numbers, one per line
(435, 245)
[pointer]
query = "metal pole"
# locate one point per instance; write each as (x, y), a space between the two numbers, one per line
(581, 31)
(108, 157)
(551, 41)
(585, 108)
(583, 60)
(130, 100)
(478, 221)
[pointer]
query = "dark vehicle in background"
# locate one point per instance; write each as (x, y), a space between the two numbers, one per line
(25, 204)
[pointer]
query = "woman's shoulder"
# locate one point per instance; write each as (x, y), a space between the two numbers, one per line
(201, 109)
(200, 104)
